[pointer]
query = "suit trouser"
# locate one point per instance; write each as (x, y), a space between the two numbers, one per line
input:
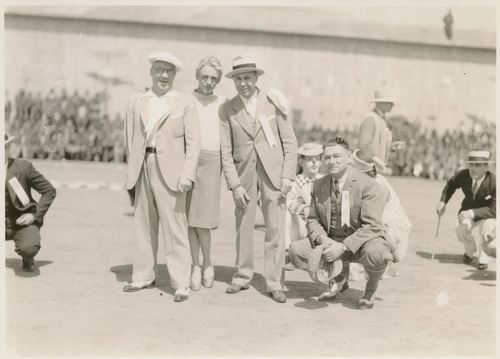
(155, 205)
(26, 239)
(464, 235)
(373, 255)
(273, 209)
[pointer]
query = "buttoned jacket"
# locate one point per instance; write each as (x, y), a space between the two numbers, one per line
(365, 210)
(29, 178)
(177, 138)
(485, 202)
(240, 143)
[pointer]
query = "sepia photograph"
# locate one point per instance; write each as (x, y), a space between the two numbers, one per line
(249, 179)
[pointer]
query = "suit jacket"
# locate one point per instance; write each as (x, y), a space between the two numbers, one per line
(239, 143)
(177, 138)
(29, 178)
(374, 136)
(365, 210)
(484, 205)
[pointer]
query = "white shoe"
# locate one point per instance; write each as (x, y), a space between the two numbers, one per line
(196, 278)
(181, 294)
(208, 277)
(335, 288)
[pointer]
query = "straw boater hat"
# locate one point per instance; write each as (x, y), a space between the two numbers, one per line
(310, 149)
(244, 63)
(384, 95)
(322, 272)
(167, 57)
(478, 157)
(8, 138)
(361, 162)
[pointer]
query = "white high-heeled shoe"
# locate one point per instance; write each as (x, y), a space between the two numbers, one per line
(208, 277)
(196, 278)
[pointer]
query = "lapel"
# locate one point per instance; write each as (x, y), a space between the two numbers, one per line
(241, 115)
(171, 103)
(12, 171)
(325, 197)
(483, 189)
(144, 109)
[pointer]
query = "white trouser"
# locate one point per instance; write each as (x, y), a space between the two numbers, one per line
(464, 235)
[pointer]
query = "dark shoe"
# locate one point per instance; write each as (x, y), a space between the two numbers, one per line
(135, 288)
(235, 288)
(29, 265)
(278, 296)
(364, 304)
(467, 259)
(482, 266)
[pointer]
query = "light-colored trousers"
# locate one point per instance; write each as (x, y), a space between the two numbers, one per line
(464, 235)
(156, 205)
(273, 209)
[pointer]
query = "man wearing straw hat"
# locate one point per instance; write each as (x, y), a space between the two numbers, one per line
(478, 209)
(259, 154)
(162, 138)
(375, 139)
(23, 215)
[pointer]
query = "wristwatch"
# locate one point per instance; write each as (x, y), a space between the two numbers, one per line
(345, 248)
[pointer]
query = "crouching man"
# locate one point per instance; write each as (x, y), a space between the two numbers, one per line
(346, 216)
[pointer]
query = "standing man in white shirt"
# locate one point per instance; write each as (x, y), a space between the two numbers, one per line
(259, 155)
(163, 146)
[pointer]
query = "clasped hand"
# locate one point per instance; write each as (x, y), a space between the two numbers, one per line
(333, 252)
(184, 185)
(25, 219)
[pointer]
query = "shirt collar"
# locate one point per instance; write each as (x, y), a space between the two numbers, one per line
(172, 93)
(252, 98)
(479, 181)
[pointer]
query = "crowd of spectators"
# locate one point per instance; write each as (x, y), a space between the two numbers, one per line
(62, 126)
(77, 127)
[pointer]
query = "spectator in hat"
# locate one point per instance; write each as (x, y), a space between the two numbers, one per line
(346, 215)
(204, 198)
(375, 138)
(259, 154)
(23, 215)
(162, 139)
(478, 209)
(299, 198)
(396, 223)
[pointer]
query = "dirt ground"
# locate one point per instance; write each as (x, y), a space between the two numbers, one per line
(74, 305)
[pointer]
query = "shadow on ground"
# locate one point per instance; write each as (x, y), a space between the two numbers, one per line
(16, 264)
(442, 258)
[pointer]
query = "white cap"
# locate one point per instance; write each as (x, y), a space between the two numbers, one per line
(167, 57)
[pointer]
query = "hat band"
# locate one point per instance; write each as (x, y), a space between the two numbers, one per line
(483, 159)
(244, 66)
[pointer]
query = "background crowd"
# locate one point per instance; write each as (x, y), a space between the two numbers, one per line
(78, 127)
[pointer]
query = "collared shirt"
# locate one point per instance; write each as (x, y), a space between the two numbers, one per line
(479, 182)
(157, 108)
(250, 104)
(342, 180)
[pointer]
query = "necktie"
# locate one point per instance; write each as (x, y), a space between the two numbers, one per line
(474, 189)
(336, 188)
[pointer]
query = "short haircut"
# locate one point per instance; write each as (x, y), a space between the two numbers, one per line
(336, 141)
(211, 61)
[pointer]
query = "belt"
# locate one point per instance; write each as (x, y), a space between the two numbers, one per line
(150, 150)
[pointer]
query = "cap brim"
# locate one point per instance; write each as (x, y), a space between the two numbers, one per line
(243, 70)
(385, 99)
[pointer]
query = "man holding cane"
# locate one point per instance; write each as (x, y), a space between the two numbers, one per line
(478, 208)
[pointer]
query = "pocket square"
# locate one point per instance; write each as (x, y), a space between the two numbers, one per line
(487, 197)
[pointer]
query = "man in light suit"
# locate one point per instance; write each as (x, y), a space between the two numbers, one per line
(23, 215)
(163, 145)
(259, 154)
(346, 216)
(478, 208)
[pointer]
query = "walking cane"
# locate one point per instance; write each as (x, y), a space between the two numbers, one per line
(436, 237)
